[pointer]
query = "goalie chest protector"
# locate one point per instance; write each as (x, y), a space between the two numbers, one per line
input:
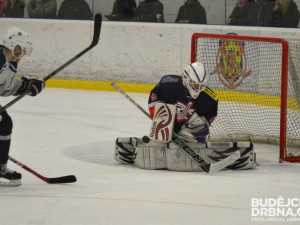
(170, 90)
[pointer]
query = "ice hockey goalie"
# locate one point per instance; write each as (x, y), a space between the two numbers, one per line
(183, 104)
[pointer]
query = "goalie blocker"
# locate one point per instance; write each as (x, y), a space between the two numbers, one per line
(159, 155)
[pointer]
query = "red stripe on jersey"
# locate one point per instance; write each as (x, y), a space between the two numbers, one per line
(151, 110)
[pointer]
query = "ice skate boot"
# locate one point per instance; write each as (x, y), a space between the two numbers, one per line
(10, 177)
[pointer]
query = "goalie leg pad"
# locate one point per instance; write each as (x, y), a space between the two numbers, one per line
(158, 155)
(150, 156)
(248, 157)
(125, 150)
(179, 161)
(246, 161)
(211, 152)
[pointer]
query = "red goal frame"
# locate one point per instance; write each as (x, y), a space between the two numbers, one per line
(284, 79)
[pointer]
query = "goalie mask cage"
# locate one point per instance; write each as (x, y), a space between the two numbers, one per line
(257, 82)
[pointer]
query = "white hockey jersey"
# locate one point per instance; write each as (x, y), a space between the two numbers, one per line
(8, 84)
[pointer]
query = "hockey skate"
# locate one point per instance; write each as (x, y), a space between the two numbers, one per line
(9, 177)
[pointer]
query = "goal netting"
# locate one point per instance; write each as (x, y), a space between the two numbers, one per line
(257, 83)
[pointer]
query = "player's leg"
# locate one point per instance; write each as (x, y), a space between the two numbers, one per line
(5, 138)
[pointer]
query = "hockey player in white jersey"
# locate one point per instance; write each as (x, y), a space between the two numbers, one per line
(15, 45)
(183, 104)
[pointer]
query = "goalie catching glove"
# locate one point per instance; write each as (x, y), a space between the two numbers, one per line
(33, 84)
(196, 129)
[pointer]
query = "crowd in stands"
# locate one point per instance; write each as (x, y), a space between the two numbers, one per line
(42, 9)
(276, 13)
(47, 9)
(273, 13)
(13, 8)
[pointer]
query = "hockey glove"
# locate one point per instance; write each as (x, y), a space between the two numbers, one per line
(196, 129)
(34, 85)
(202, 135)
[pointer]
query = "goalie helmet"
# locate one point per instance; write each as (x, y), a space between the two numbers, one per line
(195, 78)
(17, 37)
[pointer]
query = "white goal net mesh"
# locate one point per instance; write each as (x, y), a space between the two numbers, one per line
(247, 77)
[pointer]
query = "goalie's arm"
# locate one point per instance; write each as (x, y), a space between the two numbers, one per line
(208, 108)
(154, 97)
(196, 129)
(164, 92)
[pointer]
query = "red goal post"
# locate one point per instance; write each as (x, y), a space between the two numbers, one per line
(257, 82)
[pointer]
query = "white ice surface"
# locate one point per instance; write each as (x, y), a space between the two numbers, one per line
(63, 132)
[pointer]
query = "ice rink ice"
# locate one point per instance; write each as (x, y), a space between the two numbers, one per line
(72, 132)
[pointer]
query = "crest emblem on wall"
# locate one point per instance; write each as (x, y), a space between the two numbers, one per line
(232, 63)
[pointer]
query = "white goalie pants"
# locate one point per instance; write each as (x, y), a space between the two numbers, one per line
(157, 155)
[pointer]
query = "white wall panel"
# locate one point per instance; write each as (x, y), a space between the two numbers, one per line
(128, 52)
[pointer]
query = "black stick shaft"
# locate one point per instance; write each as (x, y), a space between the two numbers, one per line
(130, 99)
(97, 29)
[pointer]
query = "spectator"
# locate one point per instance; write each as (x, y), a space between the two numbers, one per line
(244, 13)
(123, 10)
(42, 9)
(75, 9)
(265, 12)
(13, 8)
(2, 2)
(150, 11)
(191, 12)
(285, 14)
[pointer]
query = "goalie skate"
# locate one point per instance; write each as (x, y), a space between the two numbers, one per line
(9, 177)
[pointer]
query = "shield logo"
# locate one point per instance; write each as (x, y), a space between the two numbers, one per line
(231, 63)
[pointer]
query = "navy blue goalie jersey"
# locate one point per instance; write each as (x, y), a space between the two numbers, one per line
(171, 90)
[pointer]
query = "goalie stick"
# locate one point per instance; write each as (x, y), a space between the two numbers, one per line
(97, 29)
(55, 180)
(206, 166)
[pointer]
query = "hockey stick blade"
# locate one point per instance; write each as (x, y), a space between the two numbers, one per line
(217, 166)
(96, 35)
(54, 180)
(97, 29)
(62, 180)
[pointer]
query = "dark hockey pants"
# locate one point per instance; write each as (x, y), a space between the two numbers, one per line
(5, 135)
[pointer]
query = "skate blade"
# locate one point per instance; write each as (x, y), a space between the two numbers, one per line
(9, 183)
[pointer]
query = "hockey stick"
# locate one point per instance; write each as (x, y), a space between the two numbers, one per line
(97, 29)
(55, 180)
(206, 166)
